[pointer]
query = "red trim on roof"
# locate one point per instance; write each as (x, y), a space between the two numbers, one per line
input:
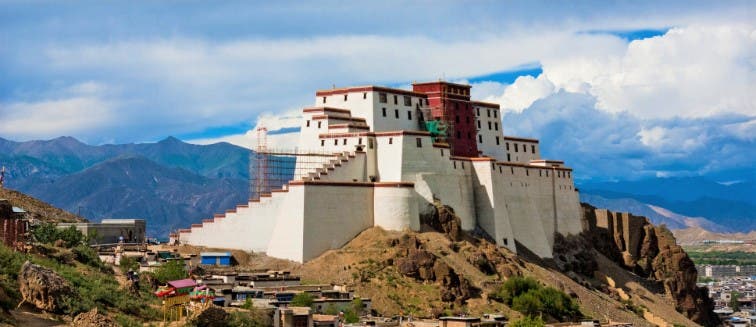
(524, 139)
(207, 221)
(325, 117)
(336, 126)
(185, 230)
(196, 225)
(231, 211)
(374, 134)
(218, 215)
(485, 104)
(517, 164)
(354, 184)
(326, 109)
(472, 158)
(280, 191)
(370, 88)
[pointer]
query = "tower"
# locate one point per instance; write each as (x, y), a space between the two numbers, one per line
(450, 102)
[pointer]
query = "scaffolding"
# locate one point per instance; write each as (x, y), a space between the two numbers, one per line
(271, 168)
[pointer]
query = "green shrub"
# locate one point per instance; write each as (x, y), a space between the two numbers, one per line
(512, 288)
(303, 299)
(127, 263)
(528, 303)
(251, 318)
(528, 321)
(171, 270)
(87, 256)
(48, 233)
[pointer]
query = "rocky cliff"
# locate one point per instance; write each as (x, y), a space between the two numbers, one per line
(650, 252)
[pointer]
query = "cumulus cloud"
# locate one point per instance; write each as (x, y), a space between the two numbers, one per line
(692, 71)
(52, 118)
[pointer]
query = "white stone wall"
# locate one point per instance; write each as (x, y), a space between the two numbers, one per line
(395, 208)
(521, 150)
(490, 137)
(334, 216)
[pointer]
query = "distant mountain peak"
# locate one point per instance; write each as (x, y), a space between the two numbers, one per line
(171, 140)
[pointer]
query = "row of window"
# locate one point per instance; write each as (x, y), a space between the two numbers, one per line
(418, 142)
(560, 174)
(488, 112)
(383, 98)
(495, 125)
(396, 113)
(524, 147)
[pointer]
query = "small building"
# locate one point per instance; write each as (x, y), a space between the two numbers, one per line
(458, 321)
(293, 317)
(110, 231)
(13, 224)
(215, 258)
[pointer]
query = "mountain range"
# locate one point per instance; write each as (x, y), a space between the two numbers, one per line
(681, 202)
(173, 184)
(170, 183)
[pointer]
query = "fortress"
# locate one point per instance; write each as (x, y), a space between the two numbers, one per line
(393, 152)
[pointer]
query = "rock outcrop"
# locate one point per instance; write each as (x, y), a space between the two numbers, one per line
(93, 319)
(414, 261)
(211, 317)
(42, 287)
(652, 252)
(442, 218)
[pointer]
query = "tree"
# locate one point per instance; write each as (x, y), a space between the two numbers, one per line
(171, 270)
(45, 233)
(528, 303)
(734, 304)
(71, 236)
(303, 299)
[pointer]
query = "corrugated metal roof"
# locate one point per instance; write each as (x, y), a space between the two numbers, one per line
(181, 283)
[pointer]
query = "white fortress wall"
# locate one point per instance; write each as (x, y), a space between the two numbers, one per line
(286, 240)
(521, 150)
(435, 174)
(522, 209)
(335, 214)
(492, 214)
(395, 206)
(389, 151)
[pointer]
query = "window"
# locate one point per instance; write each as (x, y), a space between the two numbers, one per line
(463, 165)
(359, 141)
(477, 110)
(496, 125)
(455, 164)
(456, 119)
(459, 135)
(391, 140)
(396, 99)
(569, 174)
(469, 136)
(540, 172)
(496, 113)
(345, 141)
(532, 148)
(364, 95)
(345, 97)
(479, 124)
(489, 126)
(497, 140)
(480, 138)
(319, 123)
(322, 142)
(384, 111)
(442, 152)
(409, 115)
(516, 150)
(488, 112)
(335, 142)
(509, 158)
(308, 123)
(396, 113)
(512, 170)
(493, 166)
(419, 142)
(382, 98)
(324, 99)
(499, 169)
(407, 101)
(370, 143)
(547, 173)
(467, 119)
(527, 172)
(507, 144)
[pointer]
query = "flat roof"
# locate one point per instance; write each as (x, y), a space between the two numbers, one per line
(215, 254)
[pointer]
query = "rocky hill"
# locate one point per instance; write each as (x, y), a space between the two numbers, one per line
(37, 208)
(445, 271)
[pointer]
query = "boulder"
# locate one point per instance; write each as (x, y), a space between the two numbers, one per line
(42, 287)
(211, 317)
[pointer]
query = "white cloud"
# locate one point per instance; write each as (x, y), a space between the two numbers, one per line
(274, 122)
(523, 92)
(693, 71)
(52, 118)
(284, 141)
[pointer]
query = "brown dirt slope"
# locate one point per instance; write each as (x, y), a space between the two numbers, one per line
(38, 209)
(695, 235)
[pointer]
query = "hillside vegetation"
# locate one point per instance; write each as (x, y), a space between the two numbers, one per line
(39, 210)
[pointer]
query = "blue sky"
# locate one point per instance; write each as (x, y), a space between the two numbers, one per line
(619, 89)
